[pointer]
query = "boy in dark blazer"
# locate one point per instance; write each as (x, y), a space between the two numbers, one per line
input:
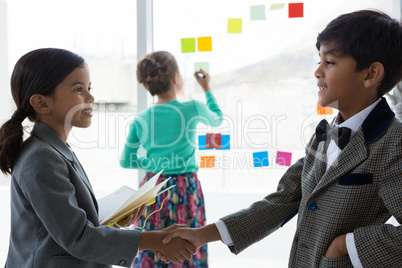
(350, 181)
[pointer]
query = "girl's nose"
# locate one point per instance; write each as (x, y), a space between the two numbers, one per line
(91, 98)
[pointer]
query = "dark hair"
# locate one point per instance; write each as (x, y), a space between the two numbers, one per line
(37, 72)
(368, 36)
(156, 71)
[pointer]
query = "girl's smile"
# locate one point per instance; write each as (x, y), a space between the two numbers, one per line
(72, 103)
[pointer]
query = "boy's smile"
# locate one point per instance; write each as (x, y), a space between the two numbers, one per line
(340, 85)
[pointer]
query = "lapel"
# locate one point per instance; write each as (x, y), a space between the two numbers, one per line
(49, 136)
(320, 161)
(356, 151)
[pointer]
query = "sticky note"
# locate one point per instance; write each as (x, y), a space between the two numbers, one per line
(213, 140)
(201, 65)
(187, 45)
(202, 143)
(235, 25)
(260, 159)
(276, 6)
(324, 110)
(207, 162)
(225, 142)
(295, 10)
(283, 158)
(204, 43)
(257, 12)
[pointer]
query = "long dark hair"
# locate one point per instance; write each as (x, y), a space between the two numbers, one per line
(37, 72)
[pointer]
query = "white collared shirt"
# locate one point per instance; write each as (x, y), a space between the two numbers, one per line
(333, 152)
(354, 124)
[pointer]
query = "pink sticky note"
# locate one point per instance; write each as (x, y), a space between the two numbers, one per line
(283, 158)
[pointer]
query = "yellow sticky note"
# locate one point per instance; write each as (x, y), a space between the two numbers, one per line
(235, 25)
(324, 110)
(204, 43)
(207, 162)
(276, 6)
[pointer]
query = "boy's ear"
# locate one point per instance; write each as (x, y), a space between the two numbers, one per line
(40, 103)
(375, 74)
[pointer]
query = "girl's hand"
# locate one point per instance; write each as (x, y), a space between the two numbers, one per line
(204, 82)
(133, 217)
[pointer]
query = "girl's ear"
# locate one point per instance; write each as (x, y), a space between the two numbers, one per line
(375, 74)
(40, 103)
(175, 78)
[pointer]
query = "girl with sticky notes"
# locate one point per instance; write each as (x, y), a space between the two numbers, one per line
(167, 133)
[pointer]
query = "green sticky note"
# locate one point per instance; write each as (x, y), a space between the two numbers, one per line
(257, 12)
(235, 25)
(187, 45)
(276, 6)
(201, 65)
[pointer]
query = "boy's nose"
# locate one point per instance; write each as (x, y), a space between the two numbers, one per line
(318, 73)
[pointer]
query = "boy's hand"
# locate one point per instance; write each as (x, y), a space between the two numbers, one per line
(337, 248)
(190, 234)
(177, 250)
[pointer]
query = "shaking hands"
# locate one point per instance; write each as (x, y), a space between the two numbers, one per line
(197, 237)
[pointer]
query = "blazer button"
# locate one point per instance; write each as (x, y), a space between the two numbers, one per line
(122, 262)
(312, 206)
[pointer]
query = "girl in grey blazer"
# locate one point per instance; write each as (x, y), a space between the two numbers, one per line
(54, 212)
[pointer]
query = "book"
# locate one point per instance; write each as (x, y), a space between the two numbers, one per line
(122, 202)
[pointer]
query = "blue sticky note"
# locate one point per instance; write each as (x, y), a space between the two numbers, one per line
(260, 159)
(202, 143)
(225, 143)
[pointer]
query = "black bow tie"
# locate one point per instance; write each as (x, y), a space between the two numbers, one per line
(340, 135)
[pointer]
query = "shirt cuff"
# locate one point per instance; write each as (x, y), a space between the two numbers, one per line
(352, 251)
(224, 233)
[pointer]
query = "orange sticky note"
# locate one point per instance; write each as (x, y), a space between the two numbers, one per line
(207, 162)
(204, 43)
(295, 10)
(324, 110)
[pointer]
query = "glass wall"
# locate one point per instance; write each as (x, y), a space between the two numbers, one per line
(262, 76)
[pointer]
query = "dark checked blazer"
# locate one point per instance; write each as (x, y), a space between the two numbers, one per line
(358, 194)
(54, 213)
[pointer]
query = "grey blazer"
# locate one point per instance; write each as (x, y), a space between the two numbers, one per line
(54, 213)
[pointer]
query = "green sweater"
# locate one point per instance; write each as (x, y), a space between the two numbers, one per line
(167, 132)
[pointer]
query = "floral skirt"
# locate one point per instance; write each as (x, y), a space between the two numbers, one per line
(184, 206)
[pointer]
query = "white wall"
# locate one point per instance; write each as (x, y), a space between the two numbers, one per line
(5, 100)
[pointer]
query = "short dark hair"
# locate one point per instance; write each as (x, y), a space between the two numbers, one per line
(368, 36)
(156, 71)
